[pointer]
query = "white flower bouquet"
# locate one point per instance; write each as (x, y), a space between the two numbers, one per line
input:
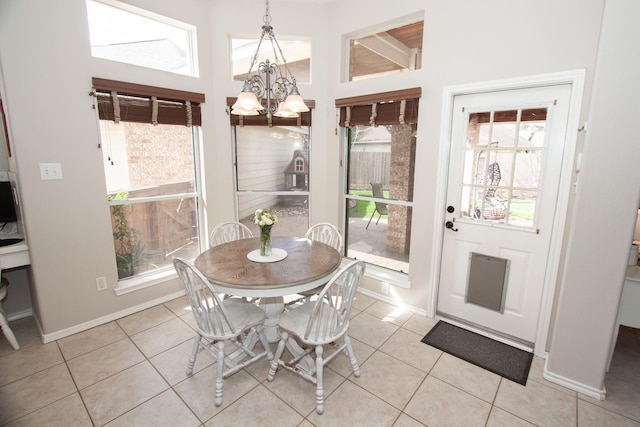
(265, 219)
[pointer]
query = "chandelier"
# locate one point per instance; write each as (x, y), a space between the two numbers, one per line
(278, 85)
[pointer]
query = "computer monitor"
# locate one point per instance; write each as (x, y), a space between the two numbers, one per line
(7, 204)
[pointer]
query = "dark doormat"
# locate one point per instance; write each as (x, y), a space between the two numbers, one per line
(499, 358)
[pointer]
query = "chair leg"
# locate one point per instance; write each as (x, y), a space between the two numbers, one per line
(6, 330)
(220, 378)
(284, 336)
(372, 214)
(194, 354)
(319, 378)
(352, 356)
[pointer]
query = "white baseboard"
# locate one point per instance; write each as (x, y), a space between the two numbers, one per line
(46, 338)
(598, 394)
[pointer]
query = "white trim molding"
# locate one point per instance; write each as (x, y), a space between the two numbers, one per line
(573, 385)
(47, 338)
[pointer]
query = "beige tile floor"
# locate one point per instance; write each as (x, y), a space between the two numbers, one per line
(130, 372)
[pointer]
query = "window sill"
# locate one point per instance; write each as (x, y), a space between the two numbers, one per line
(130, 285)
(384, 275)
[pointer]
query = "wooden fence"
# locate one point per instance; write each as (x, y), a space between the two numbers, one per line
(369, 167)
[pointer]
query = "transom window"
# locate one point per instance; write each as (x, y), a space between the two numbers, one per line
(123, 33)
(389, 49)
(296, 51)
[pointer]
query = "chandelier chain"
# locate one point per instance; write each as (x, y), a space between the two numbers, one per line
(278, 87)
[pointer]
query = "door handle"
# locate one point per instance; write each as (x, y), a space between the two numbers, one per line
(449, 225)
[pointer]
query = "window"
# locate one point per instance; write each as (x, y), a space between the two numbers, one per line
(150, 149)
(123, 33)
(272, 171)
(272, 168)
(380, 160)
(296, 52)
(396, 49)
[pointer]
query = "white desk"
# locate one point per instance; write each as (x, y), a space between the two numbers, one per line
(629, 309)
(12, 256)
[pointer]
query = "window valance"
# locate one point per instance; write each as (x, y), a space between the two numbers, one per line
(131, 102)
(386, 108)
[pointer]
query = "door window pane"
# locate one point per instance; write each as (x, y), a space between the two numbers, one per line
(502, 167)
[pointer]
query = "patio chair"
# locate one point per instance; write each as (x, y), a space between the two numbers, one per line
(381, 208)
(219, 321)
(321, 323)
(328, 234)
(227, 232)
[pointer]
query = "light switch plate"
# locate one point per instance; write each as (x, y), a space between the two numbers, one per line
(50, 171)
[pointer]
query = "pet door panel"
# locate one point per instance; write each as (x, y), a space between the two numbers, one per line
(487, 281)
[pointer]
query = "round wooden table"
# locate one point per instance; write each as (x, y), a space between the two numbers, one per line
(307, 265)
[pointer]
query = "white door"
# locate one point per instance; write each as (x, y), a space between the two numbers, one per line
(504, 174)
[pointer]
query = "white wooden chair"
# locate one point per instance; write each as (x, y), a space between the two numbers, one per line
(228, 232)
(219, 321)
(4, 322)
(325, 233)
(316, 324)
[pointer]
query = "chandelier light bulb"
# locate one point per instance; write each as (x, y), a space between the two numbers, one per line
(247, 101)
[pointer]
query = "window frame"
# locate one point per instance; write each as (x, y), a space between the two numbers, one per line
(188, 115)
(358, 111)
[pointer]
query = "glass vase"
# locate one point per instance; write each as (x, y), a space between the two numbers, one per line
(265, 241)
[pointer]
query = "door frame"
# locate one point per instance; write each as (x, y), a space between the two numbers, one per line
(576, 79)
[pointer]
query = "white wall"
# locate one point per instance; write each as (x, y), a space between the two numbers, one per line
(44, 53)
(606, 206)
(464, 42)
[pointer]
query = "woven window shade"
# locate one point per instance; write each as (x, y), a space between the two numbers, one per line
(134, 103)
(388, 108)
